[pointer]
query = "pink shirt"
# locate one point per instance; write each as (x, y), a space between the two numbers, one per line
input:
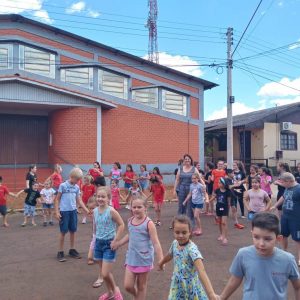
(257, 200)
(265, 183)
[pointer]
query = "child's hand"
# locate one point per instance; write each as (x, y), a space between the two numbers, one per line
(184, 203)
(114, 245)
(161, 267)
(272, 208)
(57, 215)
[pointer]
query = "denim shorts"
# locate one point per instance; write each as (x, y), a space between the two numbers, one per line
(103, 251)
(68, 221)
(199, 206)
(3, 210)
(143, 185)
(290, 226)
(127, 185)
(48, 206)
(29, 210)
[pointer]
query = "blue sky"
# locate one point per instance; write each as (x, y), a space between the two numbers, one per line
(193, 32)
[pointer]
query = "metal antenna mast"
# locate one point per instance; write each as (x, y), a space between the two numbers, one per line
(152, 26)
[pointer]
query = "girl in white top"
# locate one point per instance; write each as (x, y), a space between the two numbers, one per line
(48, 195)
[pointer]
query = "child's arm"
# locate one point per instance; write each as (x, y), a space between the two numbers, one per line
(12, 194)
(155, 241)
(188, 197)
(124, 240)
(119, 221)
(81, 204)
(165, 260)
(19, 193)
(56, 206)
(247, 200)
(232, 285)
(204, 279)
(176, 183)
(213, 197)
(268, 202)
(278, 203)
(120, 195)
(296, 286)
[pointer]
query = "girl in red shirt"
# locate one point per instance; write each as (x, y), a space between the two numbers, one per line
(88, 191)
(56, 177)
(115, 194)
(128, 177)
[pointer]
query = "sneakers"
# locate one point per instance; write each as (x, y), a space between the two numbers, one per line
(127, 206)
(243, 217)
(61, 256)
(45, 224)
(157, 223)
(239, 226)
(83, 220)
(73, 253)
(51, 223)
(23, 224)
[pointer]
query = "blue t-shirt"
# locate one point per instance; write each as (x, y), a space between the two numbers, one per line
(69, 193)
(264, 277)
(197, 193)
(291, 204)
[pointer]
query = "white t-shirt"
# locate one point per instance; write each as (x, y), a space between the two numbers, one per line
(48, 195)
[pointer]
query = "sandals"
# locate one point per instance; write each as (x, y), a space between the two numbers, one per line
(90, 261)
(97, 284)
(118, 296)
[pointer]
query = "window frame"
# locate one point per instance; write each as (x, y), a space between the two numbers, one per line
(184, 103)
(287, 140)
(90, 80)
(156, 92)
(10, 55)
(222, 142)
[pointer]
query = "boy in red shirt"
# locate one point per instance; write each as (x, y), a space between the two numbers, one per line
(157, 190)
(217, 174)
(3, 209)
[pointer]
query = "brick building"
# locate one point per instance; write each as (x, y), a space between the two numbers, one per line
(68, 99)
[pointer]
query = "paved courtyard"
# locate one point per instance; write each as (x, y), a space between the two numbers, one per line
(29, 270)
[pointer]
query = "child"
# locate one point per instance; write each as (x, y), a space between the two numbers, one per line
(157, 190)
(66, 201)
(253, 173)
(133, 192)
(116, 172)
(189, 274)
(88, 190)
(48, 196)
(56, 177)
(31, 176)
(264, 268)
(197, 191)
(256, 200)
(108, 227)
(142, 238)
(115, 194)
(30, 202)
(218, 173)
(223, 197)
(156, 174)
(266, 180)
(209, 208)
(128, 177)
(3, 208)
(239, 180)
(143, 177)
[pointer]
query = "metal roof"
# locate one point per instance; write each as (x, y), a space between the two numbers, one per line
(253, 119)
(18, 18)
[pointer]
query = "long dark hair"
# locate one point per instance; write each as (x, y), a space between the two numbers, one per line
(284, 166)
(157, 170)
(187, 155)
(267, 171)
(98, 164)
(129, 166)
(117, 164)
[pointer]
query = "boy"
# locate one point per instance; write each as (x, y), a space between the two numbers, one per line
(3, 209)
(264, 267)
(290, 221)
(68, 197)
(30, 202)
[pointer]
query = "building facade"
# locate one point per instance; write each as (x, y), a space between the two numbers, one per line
(66, 99)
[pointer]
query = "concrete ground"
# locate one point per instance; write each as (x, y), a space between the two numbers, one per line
(29, 269)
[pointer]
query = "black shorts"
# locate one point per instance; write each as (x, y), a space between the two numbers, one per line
(3, 210)
(221, 210)
(233, 201)
(291, 227)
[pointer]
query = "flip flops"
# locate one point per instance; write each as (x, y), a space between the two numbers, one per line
(97, 284)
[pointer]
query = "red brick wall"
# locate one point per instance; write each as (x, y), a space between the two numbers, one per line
(194, 108)
(68, 60)
(134, 136)
(74, 137)
(138, 83)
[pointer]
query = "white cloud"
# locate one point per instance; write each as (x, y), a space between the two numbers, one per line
(93, 13)
(76, 7)
(180, 63)
(284, 101)
(33, 7)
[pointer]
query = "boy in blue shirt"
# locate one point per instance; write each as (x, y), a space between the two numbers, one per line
(264, 268)
(68, 197)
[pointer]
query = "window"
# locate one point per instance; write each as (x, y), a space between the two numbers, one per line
(173, 102)
(6, 55)
(78, 76)
(37, 61)
(113, 84)
(222, 141)
(146, 96)
(288, 140)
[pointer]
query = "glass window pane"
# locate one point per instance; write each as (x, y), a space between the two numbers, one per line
(6, 56)
(173, 102)
(146, 96)
(78, 76)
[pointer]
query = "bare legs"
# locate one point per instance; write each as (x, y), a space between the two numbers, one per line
(136, 284)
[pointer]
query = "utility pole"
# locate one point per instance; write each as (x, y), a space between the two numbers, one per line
(230, 99)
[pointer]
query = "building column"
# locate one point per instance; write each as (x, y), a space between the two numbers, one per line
(99, 134)
(201, 129)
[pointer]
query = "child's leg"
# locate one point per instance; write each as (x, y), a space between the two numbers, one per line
(241, 203)
(142, 280)
(51, 214)
(224, 227)
(197, 218)
(45, 215)
(108, 277)
(25, 219)
(5, 220)
(129, 283)
(220, 227)
(298, 246)
(72, 240)
(32, 220)
(234, 214)
(61, 241)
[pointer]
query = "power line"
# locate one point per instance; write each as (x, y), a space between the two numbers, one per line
(246, 27)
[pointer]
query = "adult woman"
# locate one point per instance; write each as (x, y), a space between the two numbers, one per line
(31, 177)
(182, 184)
(97, 173)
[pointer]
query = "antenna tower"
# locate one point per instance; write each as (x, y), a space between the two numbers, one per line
(152, 26)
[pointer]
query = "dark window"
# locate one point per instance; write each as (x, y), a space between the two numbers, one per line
(288, 141)
(222, 140)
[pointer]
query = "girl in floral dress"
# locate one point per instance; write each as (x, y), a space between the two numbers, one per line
(189, 274)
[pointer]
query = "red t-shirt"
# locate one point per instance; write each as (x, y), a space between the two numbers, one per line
(130, 175)
(95, 173)
(217, 175)
(88, 190)
(158, 191)
(3, 192)
(157, 176)
(56, 180)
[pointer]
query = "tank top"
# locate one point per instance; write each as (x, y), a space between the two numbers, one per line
(185, 178)
(140, 251)
(257, 200)
(135, 193)
(104, 224)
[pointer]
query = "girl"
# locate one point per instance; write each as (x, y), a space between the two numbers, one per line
(133, 193)
(108, 227)
(56, 177)
(239, 180)
(115, 194)
(97, 174)
(31, 177)
(223, 197)
(48, 196)
(157, 190)
(143, 177)
(256, 200)
(156, 174)
(142, 238)
(266, 180)
(209, 208)
(197, 191)
(189, 273)
(116, 172)
(128, 177)
(88, 190)
(253, 173)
